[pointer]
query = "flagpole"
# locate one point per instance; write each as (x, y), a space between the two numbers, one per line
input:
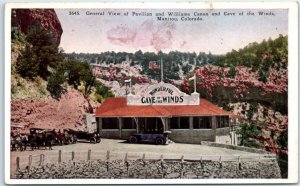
(195, 83)
(162, 71)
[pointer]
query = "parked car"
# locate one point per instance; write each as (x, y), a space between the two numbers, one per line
(82, 135)
(150, 137)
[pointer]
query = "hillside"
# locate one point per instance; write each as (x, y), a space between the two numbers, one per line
(36, 62)
(176, 65)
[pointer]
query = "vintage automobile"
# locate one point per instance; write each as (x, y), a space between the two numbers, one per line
(82, 135)
(150, 137)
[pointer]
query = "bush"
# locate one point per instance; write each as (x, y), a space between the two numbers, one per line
(247, 133)
(54, 85)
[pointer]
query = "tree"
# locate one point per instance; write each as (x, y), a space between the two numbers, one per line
(40, 53)
(248, 132)
(54, 85)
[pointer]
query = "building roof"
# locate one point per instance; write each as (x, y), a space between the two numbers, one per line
(117, 107)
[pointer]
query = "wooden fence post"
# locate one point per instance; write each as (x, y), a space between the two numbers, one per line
(107, 155)
(220, 161)
(240, 165)
(181, 163)
(59, 156)
(73, 155)
(89, 154)
(18, 163)
(107, 160)
(162, 166)
(201, 163)
(42, 157)
(143, 159)
(259, 170)
(126, 163)
(29, 162)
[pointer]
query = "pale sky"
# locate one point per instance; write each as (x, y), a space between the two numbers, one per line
(215, 34)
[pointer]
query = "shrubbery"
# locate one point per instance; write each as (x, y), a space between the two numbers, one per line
(42, 58)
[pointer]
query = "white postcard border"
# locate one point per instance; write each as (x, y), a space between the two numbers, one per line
(292, 87)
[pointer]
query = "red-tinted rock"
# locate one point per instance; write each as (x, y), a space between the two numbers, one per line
(50, 113)
(47, 17)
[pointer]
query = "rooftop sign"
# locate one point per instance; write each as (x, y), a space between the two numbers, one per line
(162, 94)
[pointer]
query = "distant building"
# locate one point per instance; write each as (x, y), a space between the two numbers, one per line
(163, 107)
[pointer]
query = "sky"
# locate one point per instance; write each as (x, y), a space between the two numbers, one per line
(217, 34)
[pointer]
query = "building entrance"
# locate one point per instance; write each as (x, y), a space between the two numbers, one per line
(150, 125)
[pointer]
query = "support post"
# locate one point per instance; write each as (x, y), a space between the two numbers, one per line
(191, 123)
(164, 123)
(136, 124)
(214, 126)
(120, 127)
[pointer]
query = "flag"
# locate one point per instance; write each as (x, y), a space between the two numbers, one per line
(192, 78)
(127, 80)
(153, 65)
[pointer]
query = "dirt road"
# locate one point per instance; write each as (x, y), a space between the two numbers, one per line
(118, 148)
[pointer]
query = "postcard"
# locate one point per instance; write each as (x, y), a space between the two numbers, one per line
(145, 93)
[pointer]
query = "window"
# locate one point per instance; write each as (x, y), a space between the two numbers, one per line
(180, 123)
(202, 122)
(222, 121)
(174, 122)
(128, 123)
(110, 123)
(184, 122)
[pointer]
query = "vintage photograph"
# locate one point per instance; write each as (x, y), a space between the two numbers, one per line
(141, 92)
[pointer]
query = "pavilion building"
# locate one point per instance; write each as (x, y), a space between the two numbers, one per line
(163, 107)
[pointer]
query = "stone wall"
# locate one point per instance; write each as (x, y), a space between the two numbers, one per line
(196, 136)
(157, 169)
(116, 133)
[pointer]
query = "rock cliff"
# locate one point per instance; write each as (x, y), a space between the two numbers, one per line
(47, 17)
(68, 112)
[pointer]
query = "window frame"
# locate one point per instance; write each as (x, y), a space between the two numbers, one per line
(114, 123)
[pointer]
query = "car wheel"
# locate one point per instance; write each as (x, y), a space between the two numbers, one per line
(93, 140)
(133, 139)
(159, 141)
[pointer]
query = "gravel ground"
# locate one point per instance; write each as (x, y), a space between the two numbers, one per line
(121, 146)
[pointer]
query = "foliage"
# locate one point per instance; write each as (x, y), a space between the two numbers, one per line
(54, 85)
(39, 54)
(282, 139)
(173, 61)
(17, 37)
(259, 56)
(76, 74)
(247, 133)
(102, 92)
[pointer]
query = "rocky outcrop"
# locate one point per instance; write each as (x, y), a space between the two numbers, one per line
(47, 17)
(68, 112)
